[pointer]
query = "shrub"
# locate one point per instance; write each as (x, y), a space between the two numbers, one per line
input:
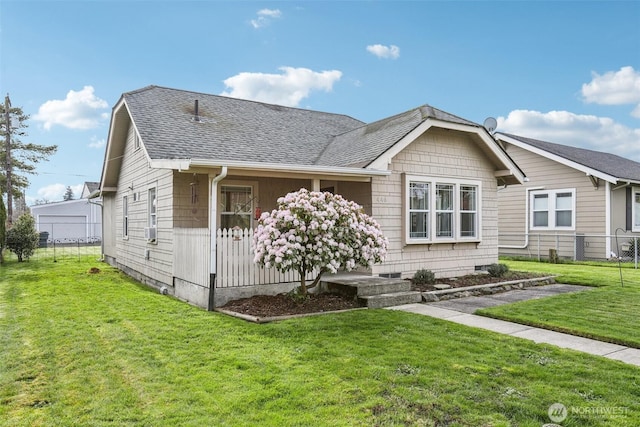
(318, 231)
(424, 277)
(497, 270)
(22, 238)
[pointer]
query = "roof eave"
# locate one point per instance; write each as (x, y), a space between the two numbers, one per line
(509, 172)
(562, 160)
(187, 164)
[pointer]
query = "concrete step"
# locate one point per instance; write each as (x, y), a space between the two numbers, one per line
(391, 299)
(368, 286)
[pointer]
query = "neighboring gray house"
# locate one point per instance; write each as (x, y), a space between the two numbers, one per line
(78, 220)
(575, 200)
(185, 175)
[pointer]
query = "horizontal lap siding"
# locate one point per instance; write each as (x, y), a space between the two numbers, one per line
(550, 175)
(137, 177)
(436, 154)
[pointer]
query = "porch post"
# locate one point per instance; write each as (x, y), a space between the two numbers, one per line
(315, 185)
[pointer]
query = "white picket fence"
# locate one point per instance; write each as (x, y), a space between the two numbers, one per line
(235, 266)
(191, 261)
(234, 261)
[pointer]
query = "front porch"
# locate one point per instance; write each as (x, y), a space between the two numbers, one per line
(239, 277)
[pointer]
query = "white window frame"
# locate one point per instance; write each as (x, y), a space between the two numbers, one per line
(253, 197)
(552, 196)
(152, 207)
(125, 217)
(432, 231)
(635, 209)
(136, 141)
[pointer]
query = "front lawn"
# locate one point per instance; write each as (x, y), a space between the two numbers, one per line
(608, 313)
(78, 348)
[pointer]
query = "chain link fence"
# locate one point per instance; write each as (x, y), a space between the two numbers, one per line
(67, 240)
(621, 247)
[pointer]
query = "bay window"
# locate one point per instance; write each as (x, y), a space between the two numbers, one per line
(441, 210)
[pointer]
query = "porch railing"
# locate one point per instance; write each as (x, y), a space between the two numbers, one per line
(234, 259)
(235, 266)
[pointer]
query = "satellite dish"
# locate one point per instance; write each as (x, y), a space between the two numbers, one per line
(490, 124)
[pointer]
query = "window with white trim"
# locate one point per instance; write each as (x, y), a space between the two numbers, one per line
(553, 209)
(636, 209)
(468, 211)
(236, 206)
(153, 208)
(418, 210)
(441, 210)
(125, 216)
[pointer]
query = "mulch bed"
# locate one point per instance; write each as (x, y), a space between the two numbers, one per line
(285, 305)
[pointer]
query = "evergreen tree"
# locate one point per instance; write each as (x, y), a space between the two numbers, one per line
(17, 158)
(68, 194)
(22, 238)
(3, 228)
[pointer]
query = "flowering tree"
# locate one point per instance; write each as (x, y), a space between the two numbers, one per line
(317, 231)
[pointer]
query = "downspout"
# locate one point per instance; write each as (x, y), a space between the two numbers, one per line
(213, 226)
(607, 220)
(526, 221)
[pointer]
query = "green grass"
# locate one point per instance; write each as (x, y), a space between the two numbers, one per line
(608, 313)
(82, 349)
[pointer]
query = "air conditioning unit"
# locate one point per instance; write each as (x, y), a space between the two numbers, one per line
(150, 234)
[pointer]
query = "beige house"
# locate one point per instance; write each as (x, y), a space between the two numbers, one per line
(186, 175)
(584, 204)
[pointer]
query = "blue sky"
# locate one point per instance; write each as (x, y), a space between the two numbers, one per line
(561, 71)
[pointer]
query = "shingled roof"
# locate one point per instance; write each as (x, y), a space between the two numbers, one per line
(619, 167)
(229, 128)
(241, 130)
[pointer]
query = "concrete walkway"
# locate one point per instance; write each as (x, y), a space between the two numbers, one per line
(460, 311)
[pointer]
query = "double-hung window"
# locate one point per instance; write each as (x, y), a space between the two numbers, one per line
(468, 211)
(553, 209)
(419, 210)
(153, 208)
(444, 210)
(441, 210)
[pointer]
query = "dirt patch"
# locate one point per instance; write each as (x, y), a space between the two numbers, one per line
(284, 305)
(94, 270)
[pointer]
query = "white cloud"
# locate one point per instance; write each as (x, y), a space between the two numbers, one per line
(97, 143)
(584, 131)
(79, 110)
(264, 17)
(386, 52)
(55, 192)
(288, 88)
(614, 88)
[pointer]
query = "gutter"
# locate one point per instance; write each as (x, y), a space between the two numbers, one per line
(213, 225)
(184, 165)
